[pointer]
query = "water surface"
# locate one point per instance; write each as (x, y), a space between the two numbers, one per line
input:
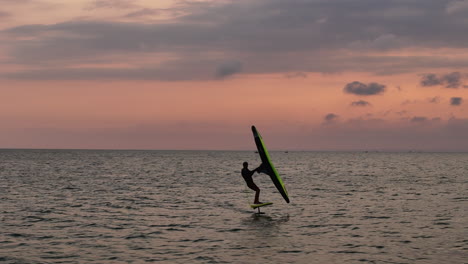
(84, 206)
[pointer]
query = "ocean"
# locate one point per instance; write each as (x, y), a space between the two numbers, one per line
(99, 206)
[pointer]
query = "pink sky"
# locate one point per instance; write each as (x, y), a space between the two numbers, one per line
(197, 74)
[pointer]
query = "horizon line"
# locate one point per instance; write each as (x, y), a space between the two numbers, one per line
(246, 150)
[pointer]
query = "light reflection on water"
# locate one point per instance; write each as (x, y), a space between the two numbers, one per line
(72, 206)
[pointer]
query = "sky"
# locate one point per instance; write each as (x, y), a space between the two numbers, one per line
(322, 75)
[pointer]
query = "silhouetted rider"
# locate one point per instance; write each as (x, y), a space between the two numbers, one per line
(247, 175)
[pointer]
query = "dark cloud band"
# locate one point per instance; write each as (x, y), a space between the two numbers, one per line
(259, 33)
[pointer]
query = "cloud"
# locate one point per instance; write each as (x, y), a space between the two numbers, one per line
(434, 100)
(4, 14)
(382, 42)
(294, 75)
(418, 119)
(106, 4)
(144, 12)
(456, 101)
(170, 14)
(359, 88)
(452, 80)
(168, 71)
(457, 6)
(360, 103)
(430, 79)
(228, 68)
(268, 36)
(425, 120)
(18, 2)
(449, 80)
(330, 118)
(408, 102)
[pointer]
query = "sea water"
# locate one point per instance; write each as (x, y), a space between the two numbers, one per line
(87, 206)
